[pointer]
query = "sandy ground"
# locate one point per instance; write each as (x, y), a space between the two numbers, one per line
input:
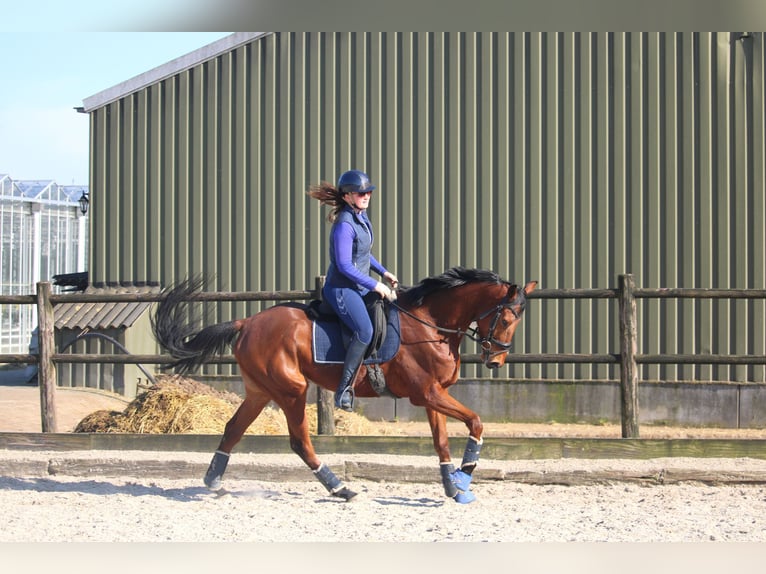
(51, 508)
(69, 508)
(20, 407)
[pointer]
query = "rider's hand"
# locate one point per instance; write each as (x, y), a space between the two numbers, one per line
(392, 278)
(385, 292)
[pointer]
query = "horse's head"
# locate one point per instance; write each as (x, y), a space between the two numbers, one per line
(493, 327)
(497, 326)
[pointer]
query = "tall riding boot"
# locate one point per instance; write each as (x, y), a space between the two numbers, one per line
(344, 395)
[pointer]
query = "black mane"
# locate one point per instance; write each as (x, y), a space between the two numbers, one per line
(454, 277)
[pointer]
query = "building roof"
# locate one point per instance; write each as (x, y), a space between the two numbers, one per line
(40, 191)
(100, 316)
(169, 69)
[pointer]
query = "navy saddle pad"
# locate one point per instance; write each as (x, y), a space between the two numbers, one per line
(327, 340)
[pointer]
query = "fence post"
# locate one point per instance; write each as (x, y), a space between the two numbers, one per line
(628, 349)
(325, 398)
(46, 371)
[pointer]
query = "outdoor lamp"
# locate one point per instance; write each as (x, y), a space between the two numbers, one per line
(84, 202)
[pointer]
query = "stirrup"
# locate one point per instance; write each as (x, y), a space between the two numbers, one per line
(344, 399)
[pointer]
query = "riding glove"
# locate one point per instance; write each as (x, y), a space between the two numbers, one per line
(385, 292)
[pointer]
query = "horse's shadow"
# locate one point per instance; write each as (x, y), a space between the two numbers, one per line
(106, 488)
(387, 501)
(413, 502)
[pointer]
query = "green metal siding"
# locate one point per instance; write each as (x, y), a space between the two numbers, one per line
(568, 158)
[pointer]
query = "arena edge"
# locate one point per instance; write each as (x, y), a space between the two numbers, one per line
(686, 404)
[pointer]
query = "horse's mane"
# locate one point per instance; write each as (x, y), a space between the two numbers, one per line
(454, 277)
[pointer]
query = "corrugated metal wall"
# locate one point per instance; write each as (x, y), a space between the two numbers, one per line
(569, 158)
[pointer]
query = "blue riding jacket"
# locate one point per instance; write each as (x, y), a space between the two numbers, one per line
(351, 257)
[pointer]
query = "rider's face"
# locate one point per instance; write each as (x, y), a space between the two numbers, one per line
(358, 200)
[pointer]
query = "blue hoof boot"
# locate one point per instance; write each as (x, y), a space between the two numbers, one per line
(465, 497)
(461, 480)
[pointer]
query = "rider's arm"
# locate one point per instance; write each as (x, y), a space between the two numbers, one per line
(376, 266)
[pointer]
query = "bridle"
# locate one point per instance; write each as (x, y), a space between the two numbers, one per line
(489, 339)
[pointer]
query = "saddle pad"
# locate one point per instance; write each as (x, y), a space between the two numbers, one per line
(327, 341)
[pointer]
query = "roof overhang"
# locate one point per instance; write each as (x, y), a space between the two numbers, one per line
(169, 69)
(103, 316)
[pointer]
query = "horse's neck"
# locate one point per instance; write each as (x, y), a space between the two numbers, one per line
(456, 308)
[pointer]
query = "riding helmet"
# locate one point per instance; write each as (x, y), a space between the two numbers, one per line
(354, 181)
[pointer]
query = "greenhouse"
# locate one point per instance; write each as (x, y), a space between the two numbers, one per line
(44, 230)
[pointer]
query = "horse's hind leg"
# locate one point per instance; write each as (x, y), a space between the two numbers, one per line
(248, 411)
(300, 443)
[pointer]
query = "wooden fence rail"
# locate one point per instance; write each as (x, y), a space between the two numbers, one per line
(628, 358)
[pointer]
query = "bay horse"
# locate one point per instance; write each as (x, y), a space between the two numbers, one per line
(273, 349)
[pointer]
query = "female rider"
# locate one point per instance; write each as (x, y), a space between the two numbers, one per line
(348, 275)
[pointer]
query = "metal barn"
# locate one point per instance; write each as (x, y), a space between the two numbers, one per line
(569, 158)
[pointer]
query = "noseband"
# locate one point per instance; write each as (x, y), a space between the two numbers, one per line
(489, 339)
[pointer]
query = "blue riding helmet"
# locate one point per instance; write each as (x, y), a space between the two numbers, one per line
(354, 181)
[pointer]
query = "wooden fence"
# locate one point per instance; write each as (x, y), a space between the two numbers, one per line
(628, 357)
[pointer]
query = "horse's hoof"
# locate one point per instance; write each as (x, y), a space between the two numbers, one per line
(465, 497)
(213, 483)
(345, 494)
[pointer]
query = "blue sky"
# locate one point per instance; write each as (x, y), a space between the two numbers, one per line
(48, 73)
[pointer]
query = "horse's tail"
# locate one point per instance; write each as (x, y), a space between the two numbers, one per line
(179, 337)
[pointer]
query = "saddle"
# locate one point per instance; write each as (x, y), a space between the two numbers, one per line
(330, 337)
(320, 310)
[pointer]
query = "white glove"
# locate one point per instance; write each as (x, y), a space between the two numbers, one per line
(392, 278)
(385, 292)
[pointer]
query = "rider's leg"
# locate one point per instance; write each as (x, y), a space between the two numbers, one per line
(350, 307)
(344, 396)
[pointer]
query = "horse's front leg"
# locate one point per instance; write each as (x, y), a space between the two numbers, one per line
(438, 422)
(457, 482)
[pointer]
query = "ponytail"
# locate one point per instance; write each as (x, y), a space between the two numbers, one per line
(328, 194)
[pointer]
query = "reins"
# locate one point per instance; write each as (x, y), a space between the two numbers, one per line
(427, 324)
(473, 334)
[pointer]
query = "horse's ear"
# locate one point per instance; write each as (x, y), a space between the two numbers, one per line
(529, 287)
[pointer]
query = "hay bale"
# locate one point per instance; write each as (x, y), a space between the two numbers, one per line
(192, 387)
(173, 405)
(104, 421)
(176, 405)
(169, 409)
(271, 421)
(348, 424)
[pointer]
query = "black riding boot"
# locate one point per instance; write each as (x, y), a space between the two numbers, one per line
(344, 395)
